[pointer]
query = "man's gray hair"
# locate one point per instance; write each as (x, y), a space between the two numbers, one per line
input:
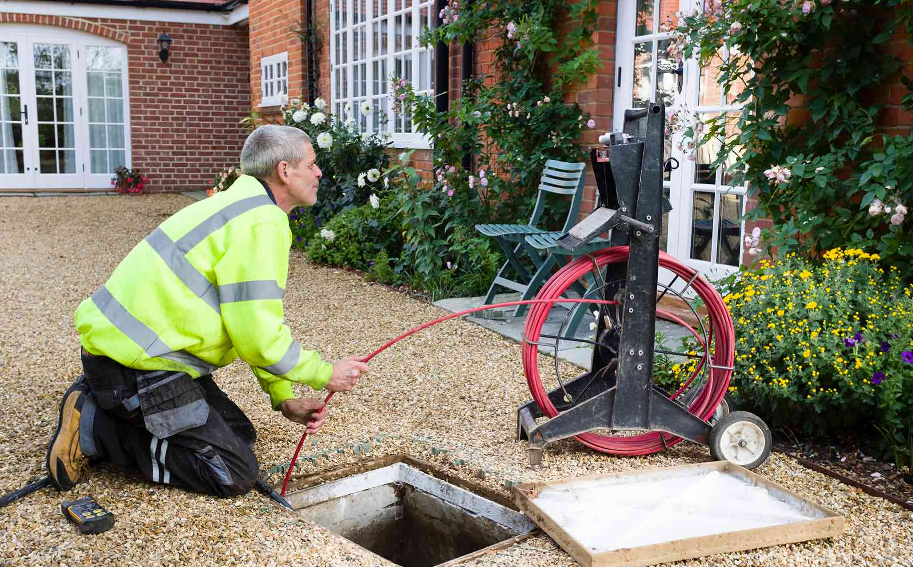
(268, 145)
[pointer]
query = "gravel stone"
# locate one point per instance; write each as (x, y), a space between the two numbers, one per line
(447, 395)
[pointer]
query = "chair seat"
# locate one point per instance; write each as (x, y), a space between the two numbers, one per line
(549, 241)
(507, 230)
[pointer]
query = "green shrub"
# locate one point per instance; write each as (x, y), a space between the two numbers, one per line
(825, 346)
(381, 271)
(303, 226)
(355, 237)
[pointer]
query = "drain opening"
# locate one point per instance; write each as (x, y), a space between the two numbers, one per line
(409, 517)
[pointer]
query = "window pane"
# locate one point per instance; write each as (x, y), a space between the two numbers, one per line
(9, 55)
(64, 109)
(345, 48)
(67, 160)
(709, 90)
(423, 21)
(643, 71)
(702, 225)
(356, 45)
(45, 109)
(9, 81)
(44, 83)
(46, 137)
(9, 109)
(666, 76)
(644, 17)
(730, 230)
(103, 58)
(398, 31)
(384, 37)
(113, 85)
(364, 81)
(407, 31)
(44, 59)
(96, 83)
(99, 161)
(48, 160)
(706, 155)
(664, 237)
(14, 132)
(97, 136)
(66, 136)
(63, 83)
(732, 130)
(116, 158)
(61, 56)
(96, 110)
(115, 110)
(115, 136)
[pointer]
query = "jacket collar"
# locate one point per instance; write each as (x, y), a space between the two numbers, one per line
(268, 191)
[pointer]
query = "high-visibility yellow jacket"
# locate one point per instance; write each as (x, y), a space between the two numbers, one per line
(204, 288)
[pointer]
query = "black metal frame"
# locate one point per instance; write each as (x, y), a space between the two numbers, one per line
(618, 392)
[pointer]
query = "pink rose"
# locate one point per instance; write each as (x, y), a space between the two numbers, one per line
(484, 181)
(450, 193)
(897, 219)
(590, 123)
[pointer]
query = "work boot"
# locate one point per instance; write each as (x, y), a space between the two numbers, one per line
(65, 460)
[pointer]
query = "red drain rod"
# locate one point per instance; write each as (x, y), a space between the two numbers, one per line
(291, 467)
(704, 405)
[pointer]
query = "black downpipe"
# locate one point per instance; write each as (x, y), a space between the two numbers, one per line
(309, 56)
(441, 66)
(468, 60)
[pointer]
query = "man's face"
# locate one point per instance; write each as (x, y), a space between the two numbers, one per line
(304, 179)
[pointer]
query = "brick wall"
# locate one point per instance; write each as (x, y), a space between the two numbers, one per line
(272, 24)
(184, 113)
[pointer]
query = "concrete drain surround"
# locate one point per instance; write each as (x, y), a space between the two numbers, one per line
(409, 517)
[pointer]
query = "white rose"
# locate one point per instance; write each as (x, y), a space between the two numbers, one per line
(375, 201)
(373, 174)
(366, 108)
(365, 136)
(327, 234)
(386, 182)
(299, 116)
(347, 108)
(296, 101)
(324, 140)
(320, 103)
(361, 179)
(350, 123)
(387, 136)
(318, 118)
(900, 210)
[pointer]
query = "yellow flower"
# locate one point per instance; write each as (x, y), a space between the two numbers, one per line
(814, 334)
(779, 312)
(807, 353)
(811, 305)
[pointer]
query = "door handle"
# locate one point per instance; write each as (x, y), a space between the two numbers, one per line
(25, 113)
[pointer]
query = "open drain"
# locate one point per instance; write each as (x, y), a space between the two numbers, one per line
(406, 515)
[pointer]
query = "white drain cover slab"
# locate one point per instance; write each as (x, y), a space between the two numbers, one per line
(692, 511)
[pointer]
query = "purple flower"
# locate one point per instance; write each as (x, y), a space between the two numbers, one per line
(895, 336)
(907, 356)
(885, 346)
(858, 337)
(878, 378)
(849, 341)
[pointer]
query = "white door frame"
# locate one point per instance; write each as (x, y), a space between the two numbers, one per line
(26, 36)
(680, 185)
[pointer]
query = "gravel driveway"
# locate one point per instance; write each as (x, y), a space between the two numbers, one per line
(447, 395)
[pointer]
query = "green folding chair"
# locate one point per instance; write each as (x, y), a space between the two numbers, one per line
(558, 177)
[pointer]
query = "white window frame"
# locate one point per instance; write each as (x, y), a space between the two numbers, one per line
(274, 75)
(348, 61)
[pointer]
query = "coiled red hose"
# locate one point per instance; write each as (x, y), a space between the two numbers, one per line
(703, 406)
(710, 395)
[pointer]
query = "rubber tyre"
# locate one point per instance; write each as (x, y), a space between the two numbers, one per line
(733, 418)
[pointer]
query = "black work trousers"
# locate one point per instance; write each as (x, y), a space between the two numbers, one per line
(215, 457)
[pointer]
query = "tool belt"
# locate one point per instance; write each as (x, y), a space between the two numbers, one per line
(168, 402)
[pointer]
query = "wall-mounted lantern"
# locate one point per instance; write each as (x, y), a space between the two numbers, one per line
(164, 45)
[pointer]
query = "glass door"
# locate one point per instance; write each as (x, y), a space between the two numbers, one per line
(13, 172)
(54, 123)
(703, 230)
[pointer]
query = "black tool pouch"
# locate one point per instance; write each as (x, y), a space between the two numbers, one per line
(171, 402)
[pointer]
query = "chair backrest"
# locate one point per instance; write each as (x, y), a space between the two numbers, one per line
(562, 178)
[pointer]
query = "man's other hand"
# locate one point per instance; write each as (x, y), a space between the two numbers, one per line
(346, 373)
(304, 411)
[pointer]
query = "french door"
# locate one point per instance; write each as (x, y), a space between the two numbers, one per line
(63, 109)
(703, 229)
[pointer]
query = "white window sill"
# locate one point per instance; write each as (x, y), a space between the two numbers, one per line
(411, 142)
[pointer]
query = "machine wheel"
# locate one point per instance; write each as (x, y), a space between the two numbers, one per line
(741, 438)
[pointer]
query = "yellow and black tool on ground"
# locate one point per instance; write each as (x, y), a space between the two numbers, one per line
(88, 515)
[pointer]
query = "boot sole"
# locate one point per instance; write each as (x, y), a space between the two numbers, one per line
(61, 470)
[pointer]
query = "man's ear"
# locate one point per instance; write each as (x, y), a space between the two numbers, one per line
(282, 172)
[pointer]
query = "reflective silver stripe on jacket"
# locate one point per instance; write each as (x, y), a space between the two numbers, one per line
(287, 363)
(250, 291)
(174, 254)
(142, 335)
